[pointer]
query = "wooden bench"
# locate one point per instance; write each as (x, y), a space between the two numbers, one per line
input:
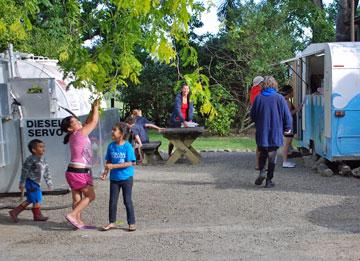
(151, 152)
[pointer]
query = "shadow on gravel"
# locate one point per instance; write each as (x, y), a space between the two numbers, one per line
(343, 217)
(46, 226)
(231, 170)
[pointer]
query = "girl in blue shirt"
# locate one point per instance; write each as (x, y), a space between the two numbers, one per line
(120, 158)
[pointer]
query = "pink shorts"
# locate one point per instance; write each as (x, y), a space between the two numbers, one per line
(78, 181)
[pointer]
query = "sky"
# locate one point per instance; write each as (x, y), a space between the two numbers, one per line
(211, 24)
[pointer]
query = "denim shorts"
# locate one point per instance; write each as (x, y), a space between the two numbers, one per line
(33, 192)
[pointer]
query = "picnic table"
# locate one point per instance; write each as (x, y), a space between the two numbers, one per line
(182, 139)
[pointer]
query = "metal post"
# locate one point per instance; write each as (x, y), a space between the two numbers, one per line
(352, 21)
(12, 61)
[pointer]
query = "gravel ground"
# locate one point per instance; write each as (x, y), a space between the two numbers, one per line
(211, 211)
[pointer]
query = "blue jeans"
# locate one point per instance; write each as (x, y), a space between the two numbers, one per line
(126, 186)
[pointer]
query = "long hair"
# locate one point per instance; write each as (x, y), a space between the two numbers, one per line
(188, 99)
(65, 125)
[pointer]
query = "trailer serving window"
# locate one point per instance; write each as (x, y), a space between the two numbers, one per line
(315, 74)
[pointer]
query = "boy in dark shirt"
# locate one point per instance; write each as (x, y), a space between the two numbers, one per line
(33, 169)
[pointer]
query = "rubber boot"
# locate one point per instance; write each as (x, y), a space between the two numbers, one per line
(16, 211)
(38, 216)
(269, 184)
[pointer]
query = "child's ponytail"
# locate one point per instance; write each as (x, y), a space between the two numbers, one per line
(66, 138)
(65, 125)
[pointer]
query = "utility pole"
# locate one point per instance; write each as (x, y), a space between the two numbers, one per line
(352, 21)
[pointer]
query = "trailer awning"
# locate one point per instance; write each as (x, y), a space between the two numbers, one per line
(289, 60)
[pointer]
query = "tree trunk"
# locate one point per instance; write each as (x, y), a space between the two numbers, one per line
(319, 3)
(343, 20)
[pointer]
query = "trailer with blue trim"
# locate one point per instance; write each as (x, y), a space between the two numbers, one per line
(326, 79)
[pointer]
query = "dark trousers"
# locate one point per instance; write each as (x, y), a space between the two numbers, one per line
(126, 186)
(268, 153)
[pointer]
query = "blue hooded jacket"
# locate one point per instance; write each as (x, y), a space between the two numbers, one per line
(176, 116)
(272, 118)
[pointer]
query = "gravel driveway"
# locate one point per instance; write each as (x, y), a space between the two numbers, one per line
(211, 211)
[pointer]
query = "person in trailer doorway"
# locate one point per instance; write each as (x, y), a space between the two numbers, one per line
(288, 93)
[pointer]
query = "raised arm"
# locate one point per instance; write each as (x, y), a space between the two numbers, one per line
(92, 120)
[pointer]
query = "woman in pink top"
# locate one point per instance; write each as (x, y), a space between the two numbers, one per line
(78, 174)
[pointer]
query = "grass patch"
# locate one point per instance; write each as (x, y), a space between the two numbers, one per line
(211, 143)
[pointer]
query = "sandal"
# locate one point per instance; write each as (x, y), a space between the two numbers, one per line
(108, 227)
(132, 228)
(73, 222)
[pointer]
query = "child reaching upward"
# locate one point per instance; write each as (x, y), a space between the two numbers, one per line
(78, 174)
(120, 158)
(33, 169)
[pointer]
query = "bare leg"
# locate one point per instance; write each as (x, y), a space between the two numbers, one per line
(286, 163)
(88, 196)
(286, 148)
(77, 196)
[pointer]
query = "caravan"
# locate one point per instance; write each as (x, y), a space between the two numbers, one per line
(326, 79)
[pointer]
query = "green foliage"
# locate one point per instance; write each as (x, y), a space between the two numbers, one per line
(221, 124)
(260, 38)
(154, 94)
(121, 27)
(226, 110)
(14, 21)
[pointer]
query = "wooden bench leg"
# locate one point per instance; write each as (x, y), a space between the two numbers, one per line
(158, 156)
(174, 157)
(184, 148)
(149, 158)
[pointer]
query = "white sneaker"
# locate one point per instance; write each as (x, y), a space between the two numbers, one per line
(288, 164)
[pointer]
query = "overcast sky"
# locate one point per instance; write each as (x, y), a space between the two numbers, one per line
(211, 24)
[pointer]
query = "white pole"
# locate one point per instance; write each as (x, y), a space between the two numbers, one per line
(12, 61)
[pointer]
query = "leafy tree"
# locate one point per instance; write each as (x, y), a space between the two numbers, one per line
(233, 58)
(154, 95)
(343, 20)
(96, 40)
(15, 22)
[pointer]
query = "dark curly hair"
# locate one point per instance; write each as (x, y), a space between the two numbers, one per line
(123, 128)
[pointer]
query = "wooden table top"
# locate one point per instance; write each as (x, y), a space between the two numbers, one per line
(183, 131)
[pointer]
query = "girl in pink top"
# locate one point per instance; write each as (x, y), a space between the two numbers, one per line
(78, 174)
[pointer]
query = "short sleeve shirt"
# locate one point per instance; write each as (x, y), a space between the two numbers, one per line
(117, 154)
(140, 130)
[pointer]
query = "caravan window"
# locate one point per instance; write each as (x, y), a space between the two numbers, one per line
(315, 74)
